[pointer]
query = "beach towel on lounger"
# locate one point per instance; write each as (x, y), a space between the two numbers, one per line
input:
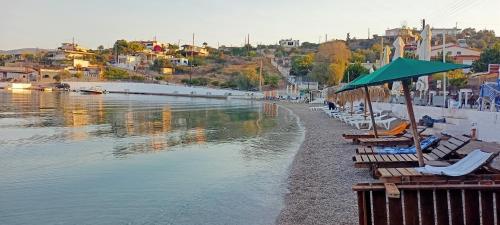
(426, 143)
(463, 167)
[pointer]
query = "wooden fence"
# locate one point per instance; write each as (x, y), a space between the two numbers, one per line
(429, 203)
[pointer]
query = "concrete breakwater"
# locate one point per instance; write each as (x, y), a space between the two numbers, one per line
(166, 89)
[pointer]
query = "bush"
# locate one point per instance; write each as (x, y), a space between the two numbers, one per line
(115, 74)
(137, 78)
(215, 83)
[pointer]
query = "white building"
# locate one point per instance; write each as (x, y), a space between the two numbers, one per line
(22, 74)
(129, 62)
(179, 61)
(289, 43)
(448, 31)
(454, 50)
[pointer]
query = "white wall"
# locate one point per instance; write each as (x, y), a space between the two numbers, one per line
(487, 123)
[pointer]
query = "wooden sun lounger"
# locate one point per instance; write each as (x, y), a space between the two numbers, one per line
(395, 132)
(404, 140)
(441, 202)
(397, 175)
(445, 150)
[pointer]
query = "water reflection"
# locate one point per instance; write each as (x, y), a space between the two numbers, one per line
(135, 125)
(130, 159)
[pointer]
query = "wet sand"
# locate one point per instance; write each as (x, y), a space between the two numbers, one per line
(322, 173)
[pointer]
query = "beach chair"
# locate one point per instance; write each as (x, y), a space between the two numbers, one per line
(386, 123)
(468, 167)
(445, 150)
(451, 202)
(403, 140)
(365, 120)
(394, 132)
(426, 144)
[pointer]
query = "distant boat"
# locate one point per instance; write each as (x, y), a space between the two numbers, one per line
(94, 90)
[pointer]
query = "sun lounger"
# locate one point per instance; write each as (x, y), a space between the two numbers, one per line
(445, 150)
(364, 121)
(465, 168)
(386, 123)
(425, 144)
(404, 140)
(396, 131)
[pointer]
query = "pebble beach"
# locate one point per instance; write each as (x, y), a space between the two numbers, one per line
(322, 173)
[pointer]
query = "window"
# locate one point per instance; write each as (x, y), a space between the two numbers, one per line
(459, 53)
(45, 76)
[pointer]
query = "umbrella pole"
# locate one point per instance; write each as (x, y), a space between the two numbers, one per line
(367, 94)
(413, 127)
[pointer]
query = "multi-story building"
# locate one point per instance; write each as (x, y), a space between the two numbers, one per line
(19, 74)
(189, 50)
(289, 43)
(463, 55)
(448, 31)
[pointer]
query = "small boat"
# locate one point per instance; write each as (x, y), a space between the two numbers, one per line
(94, 90)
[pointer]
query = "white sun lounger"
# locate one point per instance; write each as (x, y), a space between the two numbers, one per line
(467, 165)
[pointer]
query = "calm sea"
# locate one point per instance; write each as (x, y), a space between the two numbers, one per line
(67, 158)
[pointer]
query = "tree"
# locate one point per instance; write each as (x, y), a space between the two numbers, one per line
(302, 65)
(358, 57)
(159, 64)
(272, 80)
(489, 56)
(134, 47)
(121, 47)
(353, 71)
(336, 55)
(320, 72)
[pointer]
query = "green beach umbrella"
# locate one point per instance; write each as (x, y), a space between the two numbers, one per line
(405, 70)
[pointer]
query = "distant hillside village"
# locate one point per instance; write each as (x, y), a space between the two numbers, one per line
(286, 64)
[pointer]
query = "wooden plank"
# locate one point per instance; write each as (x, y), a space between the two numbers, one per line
(413, 157)
(430, 157)
(395, 211)
(392, 157)
(439, 153)
(366, 158)
(487, 208)
(456, 141)
(394, 172)
(406, 157)
(364, 210)
(471, 204)
(413, 172)
(449, 145)
(379, 208)
(462, 138)
(384, 172)
(411, 207)
(371, 158)
(378, 158)
(400, 159)
(386, 158)
(392, 191)
(427, 206)
(444, 149)
(442, 207)
(457, 216)
(404, 172)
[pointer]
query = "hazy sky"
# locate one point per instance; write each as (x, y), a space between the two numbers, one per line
(47, 23)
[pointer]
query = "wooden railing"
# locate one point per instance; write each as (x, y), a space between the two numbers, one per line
(429, 203)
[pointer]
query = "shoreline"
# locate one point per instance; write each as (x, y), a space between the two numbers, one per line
(321, 175)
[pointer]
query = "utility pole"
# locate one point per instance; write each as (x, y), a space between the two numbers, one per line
(260, 75)
(326, 37)
(444, 74)
(192, 62)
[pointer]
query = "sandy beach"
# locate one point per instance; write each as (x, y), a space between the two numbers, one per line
(322, 173)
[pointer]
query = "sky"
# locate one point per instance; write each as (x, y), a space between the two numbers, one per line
(47, 23)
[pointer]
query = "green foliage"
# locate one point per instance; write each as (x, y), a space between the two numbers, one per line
(353, 71)
(115, 74)
(460, 82)
(302, 65)
(244, 82)
(489, 56)
(200, 81)
(78, 75)
(272, 80)
(320, 72)
(159, 64)
(308, 45)
(478, 39)
(197, 61)
(124, 47)
(215, 83)
(137, 78)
